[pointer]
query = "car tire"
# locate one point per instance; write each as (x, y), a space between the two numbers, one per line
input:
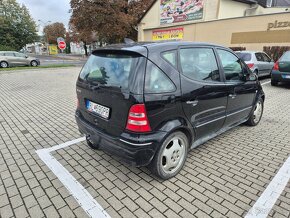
(4, 64)
(257, 113)
(91, 144)
(274, 83)
(171, 156)
(33, 63)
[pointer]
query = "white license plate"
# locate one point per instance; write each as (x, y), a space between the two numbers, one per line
(98, 109)
(286, 76)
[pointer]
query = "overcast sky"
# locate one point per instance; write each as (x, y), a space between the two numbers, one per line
(48, 10)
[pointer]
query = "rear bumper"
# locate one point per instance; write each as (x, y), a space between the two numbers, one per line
(280, 76)
(135, 149)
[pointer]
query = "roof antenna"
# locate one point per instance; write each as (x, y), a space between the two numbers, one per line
(129, 41)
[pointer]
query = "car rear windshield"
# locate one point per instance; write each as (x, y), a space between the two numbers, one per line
(110, 69)
(244, 56)
(285, 56)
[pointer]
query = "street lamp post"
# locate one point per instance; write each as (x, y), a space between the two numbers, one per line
(44, 24)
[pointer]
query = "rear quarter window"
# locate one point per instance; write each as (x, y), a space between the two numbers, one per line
(170, 56)
(156, 81)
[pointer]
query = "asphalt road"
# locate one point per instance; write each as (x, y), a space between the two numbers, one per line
(46, 60)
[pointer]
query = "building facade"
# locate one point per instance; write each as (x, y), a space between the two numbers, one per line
(241, 23)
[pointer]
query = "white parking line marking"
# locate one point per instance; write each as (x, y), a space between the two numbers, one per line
(83, 197)
(271, 194)
(266, 83)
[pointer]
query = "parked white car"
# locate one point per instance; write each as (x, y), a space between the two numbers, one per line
(13, 59)
(259, 62)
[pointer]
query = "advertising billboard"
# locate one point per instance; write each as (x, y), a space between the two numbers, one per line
(173, 11)
(169, 34)
(52, 49)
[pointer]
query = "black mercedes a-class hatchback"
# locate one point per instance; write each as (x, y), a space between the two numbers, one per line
(150, 103)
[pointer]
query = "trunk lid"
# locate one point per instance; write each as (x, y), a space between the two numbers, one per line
(284, 62)
(284, 66)
(107, 88)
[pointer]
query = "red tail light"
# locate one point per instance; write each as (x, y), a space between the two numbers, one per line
(137, 119)
(276, 66)
(250, 65)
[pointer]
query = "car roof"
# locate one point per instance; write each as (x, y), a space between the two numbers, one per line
(155, 46)
(252, 52)
(7, 51)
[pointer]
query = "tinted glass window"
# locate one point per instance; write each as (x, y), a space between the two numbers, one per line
(231, 64)
(285, 56)
(10, 54)
(265, 57)
(19, 55)
(244, 56)
(170, 56)
(109, 69)
(199, 64)
(259, 57)
(156, 81)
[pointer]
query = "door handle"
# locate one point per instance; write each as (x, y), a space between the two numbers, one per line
(193, 103)
(232, 96)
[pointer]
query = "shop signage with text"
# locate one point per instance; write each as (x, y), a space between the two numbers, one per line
(277, 24)
(174, 33)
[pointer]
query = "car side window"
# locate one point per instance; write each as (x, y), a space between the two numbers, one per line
(259, 57)
(233, 69)
(170, 56)
(266, 57)
(19, 55)
(156, 81)
(199, 64)
(9, 54)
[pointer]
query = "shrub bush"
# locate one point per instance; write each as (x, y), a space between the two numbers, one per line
(275, 52)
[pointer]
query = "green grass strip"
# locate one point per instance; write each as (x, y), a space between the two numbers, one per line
(34, 68)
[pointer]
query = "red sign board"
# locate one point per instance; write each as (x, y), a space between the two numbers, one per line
(61, 45)
(169, 34)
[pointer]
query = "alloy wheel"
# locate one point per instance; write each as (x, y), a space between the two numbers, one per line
(34, 63)
(173, 155)
(4, 64)
(258, 112)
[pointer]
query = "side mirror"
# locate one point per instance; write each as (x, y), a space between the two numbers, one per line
(26, 56)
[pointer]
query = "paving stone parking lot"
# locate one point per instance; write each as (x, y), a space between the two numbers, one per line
(222, 178)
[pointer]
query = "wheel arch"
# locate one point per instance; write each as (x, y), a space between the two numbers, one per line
(256, 70)
(179, 124)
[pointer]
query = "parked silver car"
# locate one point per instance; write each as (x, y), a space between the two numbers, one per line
(259, 62)
(13, 59)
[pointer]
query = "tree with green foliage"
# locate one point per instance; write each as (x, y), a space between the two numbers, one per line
(17, 28)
